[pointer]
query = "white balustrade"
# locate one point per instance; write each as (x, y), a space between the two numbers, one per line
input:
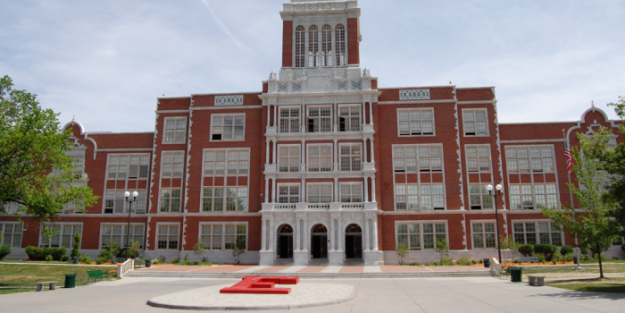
(124, 268)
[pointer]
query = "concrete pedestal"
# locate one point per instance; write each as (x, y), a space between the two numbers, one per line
(372, 257)
(336, 257)
(267, 257)
(301, 257)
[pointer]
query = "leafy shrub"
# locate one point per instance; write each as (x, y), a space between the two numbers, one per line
(122, 253)
(401, 251)
(584, 249)
(155, 261)
(568, 257)
(186, 257)
(546, 250)
(161, 259)
(175, 260)
(49, 258)
(100, 261)
(4, 251)
(584, 257)
(541, 258)
(566, 250)
(64, 258)
(432, 263)
(517, 260)
(76, 249)
(615, 258)
(85, 259)
(526, 250)
(41, 254)
(464, 261)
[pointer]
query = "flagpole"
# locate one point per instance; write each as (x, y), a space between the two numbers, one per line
(569, 175)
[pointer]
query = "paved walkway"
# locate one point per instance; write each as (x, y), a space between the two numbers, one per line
(430, 295)
(290, 269)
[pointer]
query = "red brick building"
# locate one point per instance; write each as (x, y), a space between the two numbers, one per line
(323, 165)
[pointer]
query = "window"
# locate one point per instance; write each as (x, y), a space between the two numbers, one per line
(341, 59)
(213, 200)
(62, 236)
(319, 193)
(483, 235)
(351, 192)
(237, 162)
(128, 166)
(429, 159)
(175, 129)
(170, 200)
(351, 159)
(115, 202)
(116, 233)
(536, 159)
(320, 119)
(479, 197)
(167, 237)
(313, 46)
(173, 163)
(349, 118)
(79, 165)
(326, 45)
(11, 235)
(289, 120)
(236, 199)
(478, 159)
(288, 158)
(421, 235)
(319, 158)
(430, 196)
(300, 46)
(416, 122)
(228, 128)
(534, 232)
(521, 196)
(11, 207)
(288, 193)
(475, 122)
(235, 234)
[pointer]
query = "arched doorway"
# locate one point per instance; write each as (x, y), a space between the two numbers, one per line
(285, 242)
(319, 242)
(353, 242)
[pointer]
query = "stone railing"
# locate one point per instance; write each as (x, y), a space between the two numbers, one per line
(124, 268)
(333, 207)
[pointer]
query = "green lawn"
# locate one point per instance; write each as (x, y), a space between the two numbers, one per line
(588, 268)
(28, 275)
(597, 285)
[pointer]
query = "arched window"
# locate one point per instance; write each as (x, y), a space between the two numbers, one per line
(341, 59)
(300, 46)
(326, 45)
(313, 46)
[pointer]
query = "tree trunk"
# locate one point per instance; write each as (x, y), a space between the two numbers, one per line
(600, 264)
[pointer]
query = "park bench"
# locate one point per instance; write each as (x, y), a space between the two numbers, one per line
(504, 272)
(97, 275)
(51, 283)
(536, 280)
(528, 259)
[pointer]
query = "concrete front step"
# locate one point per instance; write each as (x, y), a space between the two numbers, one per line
(314, 275)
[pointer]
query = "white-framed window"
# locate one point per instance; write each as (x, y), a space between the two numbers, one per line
(326, 45)
(300, 46)
(319, 193)
(175, 130)
(320, 119)
(413, 158)
(230, 127)
(419, 197)
(479, 198)
(313, 46)
(522, 197)
(223, 236)
(288, 193)
(349, 118)
(484, 235)
(535, 232)
(236, 161)
(351, 157)
(11, 208)
(172, 164)
(229, 199)
(289, 120)
(128, 166)
(320, 158)
(288, 158)
(116, 233)
(339, 38)
(526, 159)
(170, 200)
(115, 202)
(475, 122)
(11, 235)
(79, 165)
(415, 122)
(62, 235)
(421, 235)
(351, 192)
(478, 158)
(168, 236)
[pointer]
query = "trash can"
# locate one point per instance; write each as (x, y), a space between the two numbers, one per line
(70, 280)
(76, 260)
(516, 274)
(576, 260)
(486, 262)
(148, 263)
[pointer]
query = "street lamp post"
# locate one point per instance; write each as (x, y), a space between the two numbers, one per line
(495, 194)
(130, 201)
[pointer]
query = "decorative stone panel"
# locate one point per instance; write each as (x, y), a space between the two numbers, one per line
(414, 94)
(229, 100)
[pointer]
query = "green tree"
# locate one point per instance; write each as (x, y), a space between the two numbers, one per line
(238, 249)
(591, 224)
(35, 172)
(199, 249)
(443, 248)
(76, 249)
(402, 252)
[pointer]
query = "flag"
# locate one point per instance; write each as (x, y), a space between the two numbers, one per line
(569, 159)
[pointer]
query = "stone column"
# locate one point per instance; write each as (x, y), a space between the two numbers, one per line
(373, 189)
(366, 236)
(375, 234)
(366, 190)
(264, 235)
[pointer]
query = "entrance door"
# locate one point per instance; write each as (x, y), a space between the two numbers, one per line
(319, 242)
(353, 242)
(285, 243)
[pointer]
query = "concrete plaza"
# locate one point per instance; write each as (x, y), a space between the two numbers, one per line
(471, 294)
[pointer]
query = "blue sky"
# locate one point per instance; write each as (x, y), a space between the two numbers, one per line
(106, 62)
